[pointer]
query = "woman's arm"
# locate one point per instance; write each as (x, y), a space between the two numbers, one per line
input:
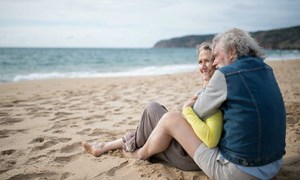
(208, 131)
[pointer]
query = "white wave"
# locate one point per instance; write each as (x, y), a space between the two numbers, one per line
(282, 58)
(146, 71)
(282, 55)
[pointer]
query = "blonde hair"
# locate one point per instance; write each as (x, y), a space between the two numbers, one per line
(241, 41)
(203, 46)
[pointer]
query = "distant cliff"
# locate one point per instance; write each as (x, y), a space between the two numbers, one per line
(284, 38)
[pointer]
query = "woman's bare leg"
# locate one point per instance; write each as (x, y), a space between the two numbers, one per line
(151, 115)
(172, 125)
(98, 148)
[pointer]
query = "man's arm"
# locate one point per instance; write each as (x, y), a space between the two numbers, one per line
(212, 96)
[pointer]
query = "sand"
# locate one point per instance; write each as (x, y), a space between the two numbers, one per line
(42, 124)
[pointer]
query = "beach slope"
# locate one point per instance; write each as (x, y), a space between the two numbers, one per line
(42, 124)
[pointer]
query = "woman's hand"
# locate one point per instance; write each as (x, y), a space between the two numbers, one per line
(190, 102)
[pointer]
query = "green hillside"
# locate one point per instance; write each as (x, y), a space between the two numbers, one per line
(284, 38)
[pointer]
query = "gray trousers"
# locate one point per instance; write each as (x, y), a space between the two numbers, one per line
(174, 155)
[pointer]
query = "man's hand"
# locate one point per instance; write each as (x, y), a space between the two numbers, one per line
(190, 102)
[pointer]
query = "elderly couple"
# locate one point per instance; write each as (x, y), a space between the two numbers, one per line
(234, 128)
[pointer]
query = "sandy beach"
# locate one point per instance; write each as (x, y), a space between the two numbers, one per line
(43, 122)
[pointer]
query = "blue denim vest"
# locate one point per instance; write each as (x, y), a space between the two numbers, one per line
(254, 114)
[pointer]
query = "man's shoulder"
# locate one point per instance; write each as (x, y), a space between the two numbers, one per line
(244, 64)
(227, 69)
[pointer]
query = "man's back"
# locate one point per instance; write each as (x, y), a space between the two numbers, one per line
(254, 114)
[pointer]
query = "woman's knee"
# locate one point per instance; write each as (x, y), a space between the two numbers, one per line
(172, 117)
(154, 106)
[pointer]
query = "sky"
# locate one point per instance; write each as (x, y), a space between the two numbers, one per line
(133, 23)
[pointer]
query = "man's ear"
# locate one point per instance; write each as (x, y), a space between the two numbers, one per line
(232, 53)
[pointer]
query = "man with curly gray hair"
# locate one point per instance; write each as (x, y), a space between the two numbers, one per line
(244, 88)
(237, 43)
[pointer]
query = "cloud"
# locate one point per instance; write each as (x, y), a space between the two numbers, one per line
(133, 23)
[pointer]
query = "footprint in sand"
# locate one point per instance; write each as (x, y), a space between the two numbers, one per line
(6, 133)
(58, 131)
(53, 119)
(70, 148)
(63, 140)
(7, 165)
(96, 133)
(95, 117)
(62, 114)
(103, 133)
(6, 105)
(111, 172)
(45, 145)
(89, 122)
(74, 125)
(55, 126)
(8, 152)
(18, 101)
(84, 132)
(9, 120)
(66, 159)
(65, 175)
(2, 114)
(37, 175)
(37, 140)
(117, 125)
(42, 139)
(35, 160)
(134, 122)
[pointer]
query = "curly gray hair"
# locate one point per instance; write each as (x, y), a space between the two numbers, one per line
(241, 41)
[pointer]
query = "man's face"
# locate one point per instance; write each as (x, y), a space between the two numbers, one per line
(205, 64)
(220, 57)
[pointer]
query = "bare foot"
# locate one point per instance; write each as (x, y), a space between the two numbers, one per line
(96, 148)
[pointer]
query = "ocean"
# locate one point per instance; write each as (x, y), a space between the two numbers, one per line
(19, 64)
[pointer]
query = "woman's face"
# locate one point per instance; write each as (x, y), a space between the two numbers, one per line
(205, 64)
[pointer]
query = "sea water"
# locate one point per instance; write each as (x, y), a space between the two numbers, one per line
(17, 64)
